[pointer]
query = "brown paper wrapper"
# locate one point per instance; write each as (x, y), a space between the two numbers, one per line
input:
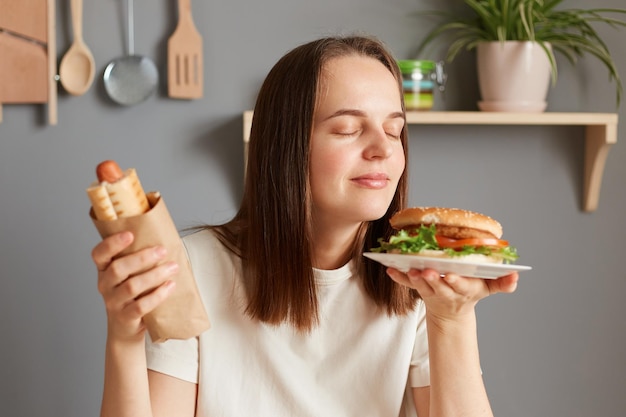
(182, 314)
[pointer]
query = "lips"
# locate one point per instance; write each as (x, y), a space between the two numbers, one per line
(375, 181)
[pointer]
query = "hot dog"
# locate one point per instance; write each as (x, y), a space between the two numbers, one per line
(116, 193)
(120, 204)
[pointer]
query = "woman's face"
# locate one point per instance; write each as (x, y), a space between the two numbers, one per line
(356, 154)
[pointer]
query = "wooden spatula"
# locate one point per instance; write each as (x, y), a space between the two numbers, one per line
(184, 57)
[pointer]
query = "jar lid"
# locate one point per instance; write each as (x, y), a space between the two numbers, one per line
(408, 65)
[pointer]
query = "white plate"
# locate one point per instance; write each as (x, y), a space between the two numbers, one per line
(444, 265)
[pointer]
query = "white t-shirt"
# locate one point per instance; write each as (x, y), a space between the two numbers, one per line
(358, 362)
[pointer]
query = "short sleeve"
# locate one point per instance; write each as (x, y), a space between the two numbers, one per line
(177, 358)
(419, 372)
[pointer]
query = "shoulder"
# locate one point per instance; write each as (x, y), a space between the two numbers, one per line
(201, 236)
(203, 246)
(206, 252)
(203, 240)
(216, 270)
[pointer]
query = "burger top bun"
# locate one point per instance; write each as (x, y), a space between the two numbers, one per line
(450, 222)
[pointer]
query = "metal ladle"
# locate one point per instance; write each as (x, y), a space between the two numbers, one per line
(132, 78)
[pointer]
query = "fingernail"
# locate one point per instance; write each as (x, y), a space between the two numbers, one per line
(160, 252)
(172, 267)
(126, 237)
(413, 273)
(449, 278)
(430, 274)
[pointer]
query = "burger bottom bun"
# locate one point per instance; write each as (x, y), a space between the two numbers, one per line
(474, 257)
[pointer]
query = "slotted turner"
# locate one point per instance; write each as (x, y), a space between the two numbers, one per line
(184, 57)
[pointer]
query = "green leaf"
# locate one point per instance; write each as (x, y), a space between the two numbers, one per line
(570, 31)
(410, 241)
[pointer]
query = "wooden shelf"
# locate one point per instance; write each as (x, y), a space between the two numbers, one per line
(600, 135)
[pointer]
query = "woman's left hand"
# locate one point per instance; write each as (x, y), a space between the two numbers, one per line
(451, 295)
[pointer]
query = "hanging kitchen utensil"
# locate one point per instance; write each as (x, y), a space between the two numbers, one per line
(28, 64)
(27, 18)
(23, 70)
(77, 67)
(184, 57)
(130, 79)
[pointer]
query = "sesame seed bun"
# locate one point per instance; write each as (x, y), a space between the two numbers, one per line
(450, 222)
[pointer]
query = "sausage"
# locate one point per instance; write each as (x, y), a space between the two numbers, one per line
(109, 171)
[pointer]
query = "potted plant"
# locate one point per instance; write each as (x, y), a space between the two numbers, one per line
(526, 33)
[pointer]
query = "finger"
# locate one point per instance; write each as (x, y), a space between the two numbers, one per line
(505, 284)
(472, 288)
(437, 282)
(398, 276)
(138, 286)
(408, 279)
(104, 252)
(147, 303)
(457, 283)
(418, 281)
(133, 264)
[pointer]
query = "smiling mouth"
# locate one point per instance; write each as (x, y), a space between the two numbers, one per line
(375, 181)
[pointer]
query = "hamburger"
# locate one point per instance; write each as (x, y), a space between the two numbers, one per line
(447, 233)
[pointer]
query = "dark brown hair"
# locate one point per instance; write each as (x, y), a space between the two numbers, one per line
(272, 230)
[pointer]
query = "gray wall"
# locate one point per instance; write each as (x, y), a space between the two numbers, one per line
(554, 348)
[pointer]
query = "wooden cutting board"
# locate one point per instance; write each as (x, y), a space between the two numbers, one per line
(23, 71)
(28, 18)
(28, 54)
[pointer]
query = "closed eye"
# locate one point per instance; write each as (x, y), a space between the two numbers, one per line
(351, 133)
(393, 128)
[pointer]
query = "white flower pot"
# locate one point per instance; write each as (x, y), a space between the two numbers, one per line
(513, 76)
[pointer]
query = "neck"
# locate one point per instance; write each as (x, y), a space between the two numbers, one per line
(333, 246)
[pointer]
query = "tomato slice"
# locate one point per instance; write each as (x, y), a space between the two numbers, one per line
(446, 242)
(443, 241)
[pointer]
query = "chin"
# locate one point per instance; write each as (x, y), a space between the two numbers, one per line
(373, 213)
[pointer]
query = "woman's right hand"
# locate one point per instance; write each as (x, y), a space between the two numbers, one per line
(132, 285)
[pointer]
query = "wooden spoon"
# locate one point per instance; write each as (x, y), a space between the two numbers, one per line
(77, 68)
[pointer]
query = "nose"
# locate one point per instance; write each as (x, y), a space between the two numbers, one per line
(379, 145)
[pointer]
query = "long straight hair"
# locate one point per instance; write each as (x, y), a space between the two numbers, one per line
(272, 231)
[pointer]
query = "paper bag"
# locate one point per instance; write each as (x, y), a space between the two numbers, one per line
(182, 314)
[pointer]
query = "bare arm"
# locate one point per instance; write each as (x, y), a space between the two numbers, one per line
(126, 391)
(421, 398)
(131, 389)
(456, 384)
(171, 396)
(132, 286)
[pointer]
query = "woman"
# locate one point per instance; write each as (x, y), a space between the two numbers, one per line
(302, 324)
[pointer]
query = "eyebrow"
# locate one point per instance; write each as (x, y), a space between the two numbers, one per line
(359, 113)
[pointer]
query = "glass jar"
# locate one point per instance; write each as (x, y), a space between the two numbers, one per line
(419, 79)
